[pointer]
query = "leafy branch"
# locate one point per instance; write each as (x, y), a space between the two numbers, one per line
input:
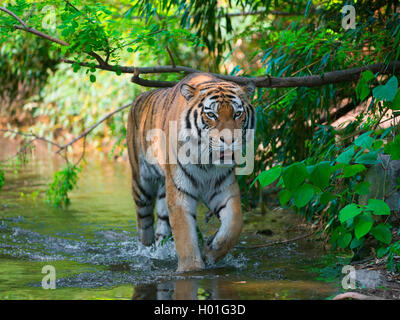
(351, 74)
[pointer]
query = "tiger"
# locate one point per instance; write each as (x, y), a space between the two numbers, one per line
(201, 105)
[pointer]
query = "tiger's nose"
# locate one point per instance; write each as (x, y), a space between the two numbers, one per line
(227, 140)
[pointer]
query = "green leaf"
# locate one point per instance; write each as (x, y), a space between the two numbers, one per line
(368, 158)
(381, 252)
(346, 156)
(303, 195)
(284, 196)
(352, 170)
(364, 140)
(393, 148)
(362, 225)
(344, 240)
(320, 174)
(377, 144)
(382, 233)
(367, 75)
(92, 78)
(378, 207)
(294, 175)
(387, 91)
(355, 243)
(267, 177)
(326, 197)
(362, 188)
(396, 101)
(362, 88)
(350, 211)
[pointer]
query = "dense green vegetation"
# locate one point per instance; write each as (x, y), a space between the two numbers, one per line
(318, 165)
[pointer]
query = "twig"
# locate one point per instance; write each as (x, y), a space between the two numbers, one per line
(171, 57)
(14, 16)
(275, 243)
(279, 99)
(86, 132)
(82, 135)
(72, 6)
(380, 118)
(32, 136)
(26, 28)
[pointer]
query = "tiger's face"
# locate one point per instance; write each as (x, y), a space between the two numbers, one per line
(219, 115)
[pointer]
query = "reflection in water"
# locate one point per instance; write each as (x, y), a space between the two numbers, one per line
(94, 248)
(186, 289)
(223, 289)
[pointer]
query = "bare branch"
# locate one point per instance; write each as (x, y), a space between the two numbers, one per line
(279, 242)
(86, 132)
(14, 16)
(152, 83)
(351, 74)
(42, 35)
(345, 75)
(171, 57)
(72, 6)
(31, 135)
(26, 28)
(98, 58)
(82, 135)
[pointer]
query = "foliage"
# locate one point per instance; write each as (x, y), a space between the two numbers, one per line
(63, 182)
(327, 187)
(25, 66)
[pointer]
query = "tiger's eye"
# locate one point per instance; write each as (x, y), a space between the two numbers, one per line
(211, 115)
(238, 114)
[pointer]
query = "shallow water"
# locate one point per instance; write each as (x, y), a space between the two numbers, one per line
(94, 249)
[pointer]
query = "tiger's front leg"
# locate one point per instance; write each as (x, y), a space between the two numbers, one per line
(182, 215)
(229, 212)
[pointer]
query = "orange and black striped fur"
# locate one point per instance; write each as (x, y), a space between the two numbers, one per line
(199, 104)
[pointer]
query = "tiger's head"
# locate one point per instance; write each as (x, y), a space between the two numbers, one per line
(220, 118)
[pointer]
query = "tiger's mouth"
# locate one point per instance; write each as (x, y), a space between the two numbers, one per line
(226, 155)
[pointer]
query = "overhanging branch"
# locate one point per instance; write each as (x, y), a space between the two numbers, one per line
(332, 77)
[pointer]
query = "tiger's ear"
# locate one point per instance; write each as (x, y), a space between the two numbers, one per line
(187, 91)
(249, 88)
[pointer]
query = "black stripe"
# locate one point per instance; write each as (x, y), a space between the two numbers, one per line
(162, 195)
(220, 180)
(216, 194)
(143, 216)
(144, 193)
(188, 124)
(164, 218)
(191, 178)
(183, 191)
(146, 227)
(246, 122)
(195, 114)
(143, 203)
(219, 210)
